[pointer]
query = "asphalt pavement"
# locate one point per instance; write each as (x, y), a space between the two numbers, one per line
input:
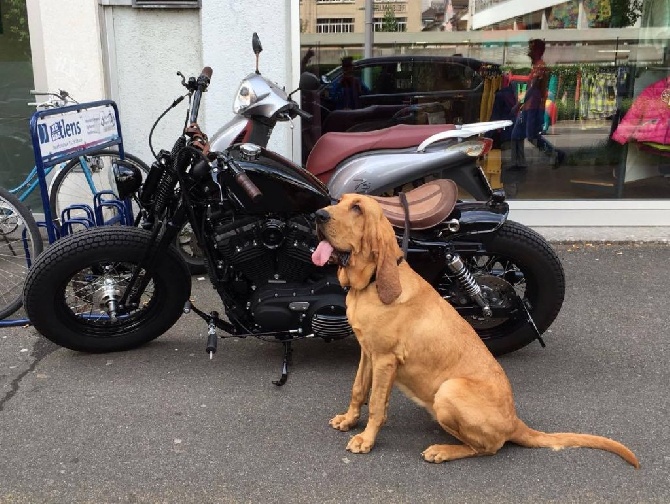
(164, 424)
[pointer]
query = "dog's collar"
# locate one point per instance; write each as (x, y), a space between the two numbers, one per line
(373, 278)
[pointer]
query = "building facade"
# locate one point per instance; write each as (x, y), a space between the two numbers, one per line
(604, 66)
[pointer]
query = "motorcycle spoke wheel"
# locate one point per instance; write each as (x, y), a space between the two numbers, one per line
(89, 291)
(84, 277)
(517, 265)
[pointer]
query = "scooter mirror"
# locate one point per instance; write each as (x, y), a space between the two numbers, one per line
(308, 82)
(256, 44)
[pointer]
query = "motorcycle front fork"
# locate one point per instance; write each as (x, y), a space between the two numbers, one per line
(159, 242)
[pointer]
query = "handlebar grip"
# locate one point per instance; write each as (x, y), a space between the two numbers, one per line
(305, 115)
(206, 72)
(249, 187)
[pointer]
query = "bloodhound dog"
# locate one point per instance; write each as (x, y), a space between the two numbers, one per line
(410, 336)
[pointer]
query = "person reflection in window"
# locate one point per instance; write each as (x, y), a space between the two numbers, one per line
(530, 120)
(348, 90)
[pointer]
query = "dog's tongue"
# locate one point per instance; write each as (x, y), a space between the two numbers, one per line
(322, 253)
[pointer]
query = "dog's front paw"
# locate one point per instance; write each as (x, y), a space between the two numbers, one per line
(360, 444)
(343, 422)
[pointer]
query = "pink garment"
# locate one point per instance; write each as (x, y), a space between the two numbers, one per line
(648, 120)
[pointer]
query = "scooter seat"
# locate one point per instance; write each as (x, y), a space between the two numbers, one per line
(334, 147)
(429, 204)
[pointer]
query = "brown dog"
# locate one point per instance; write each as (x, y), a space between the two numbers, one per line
(410, 336)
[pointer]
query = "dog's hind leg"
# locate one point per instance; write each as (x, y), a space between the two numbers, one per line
(359, 395)
(442, 453)
(464, 410)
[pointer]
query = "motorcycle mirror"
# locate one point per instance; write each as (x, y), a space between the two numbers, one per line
(257, 47)
(256, 44)
(308, 82)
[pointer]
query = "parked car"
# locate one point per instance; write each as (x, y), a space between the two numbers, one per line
(399, 89)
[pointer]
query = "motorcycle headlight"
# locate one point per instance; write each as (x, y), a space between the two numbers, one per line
(127, 178)
(244, 97)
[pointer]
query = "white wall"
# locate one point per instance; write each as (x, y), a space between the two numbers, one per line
(65, 38)
(146, 48)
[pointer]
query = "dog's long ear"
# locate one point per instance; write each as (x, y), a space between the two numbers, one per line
(388, 274)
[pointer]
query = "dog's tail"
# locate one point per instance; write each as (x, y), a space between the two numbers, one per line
(525, 436)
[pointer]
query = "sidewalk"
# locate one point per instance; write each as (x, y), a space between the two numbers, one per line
(651, 234)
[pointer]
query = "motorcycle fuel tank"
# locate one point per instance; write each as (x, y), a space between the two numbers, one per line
(286, 187)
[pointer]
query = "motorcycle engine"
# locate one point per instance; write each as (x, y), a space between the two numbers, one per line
(268, 263)
(267, 249)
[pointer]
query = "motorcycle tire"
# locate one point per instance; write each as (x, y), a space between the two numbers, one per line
(68, 284)
(187, 244)
(521, 259)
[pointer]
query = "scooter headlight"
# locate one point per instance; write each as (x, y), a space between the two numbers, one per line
(244, 97)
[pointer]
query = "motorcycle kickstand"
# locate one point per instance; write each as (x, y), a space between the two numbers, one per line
(538, 336)
(288, 351)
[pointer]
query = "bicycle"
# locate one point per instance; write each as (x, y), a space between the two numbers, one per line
(20, 243)
(78, 180)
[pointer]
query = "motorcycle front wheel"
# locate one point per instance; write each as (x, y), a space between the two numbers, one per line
(515, 263)
(70, 288)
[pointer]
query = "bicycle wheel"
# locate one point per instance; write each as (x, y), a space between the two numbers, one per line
(20, 243)
(71, 187)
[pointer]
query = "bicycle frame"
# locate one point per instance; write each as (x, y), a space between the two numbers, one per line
(32, 181)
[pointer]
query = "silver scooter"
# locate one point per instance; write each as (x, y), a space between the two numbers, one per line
(372, 162)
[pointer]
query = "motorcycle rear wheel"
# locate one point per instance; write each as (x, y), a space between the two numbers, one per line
(67, 286)
(516, 258)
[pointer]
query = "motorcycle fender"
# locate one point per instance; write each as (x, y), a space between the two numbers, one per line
(376, 172)
(476, 217)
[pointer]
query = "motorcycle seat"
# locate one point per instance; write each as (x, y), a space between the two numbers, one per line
(334, 147)
(429, 204)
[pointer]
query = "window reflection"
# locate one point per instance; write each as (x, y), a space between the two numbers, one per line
(16, 155)
(606, 100)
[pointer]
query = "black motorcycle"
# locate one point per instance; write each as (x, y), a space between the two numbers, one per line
(253, 213)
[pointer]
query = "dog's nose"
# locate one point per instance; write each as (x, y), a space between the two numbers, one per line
(322, 216)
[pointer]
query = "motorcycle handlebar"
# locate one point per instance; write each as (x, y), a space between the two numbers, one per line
(305, 115)
(203, 82)
(241, 178)
(248, 186)
(206, 74)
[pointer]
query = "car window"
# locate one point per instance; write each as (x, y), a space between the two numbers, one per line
(447, 76)
(390, 78)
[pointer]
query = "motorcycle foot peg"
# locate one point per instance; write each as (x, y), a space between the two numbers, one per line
(212, 341)
(212, 338)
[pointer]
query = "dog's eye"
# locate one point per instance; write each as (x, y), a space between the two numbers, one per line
(356, 208)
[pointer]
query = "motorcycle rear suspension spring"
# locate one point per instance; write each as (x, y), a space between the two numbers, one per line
(467, 282)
